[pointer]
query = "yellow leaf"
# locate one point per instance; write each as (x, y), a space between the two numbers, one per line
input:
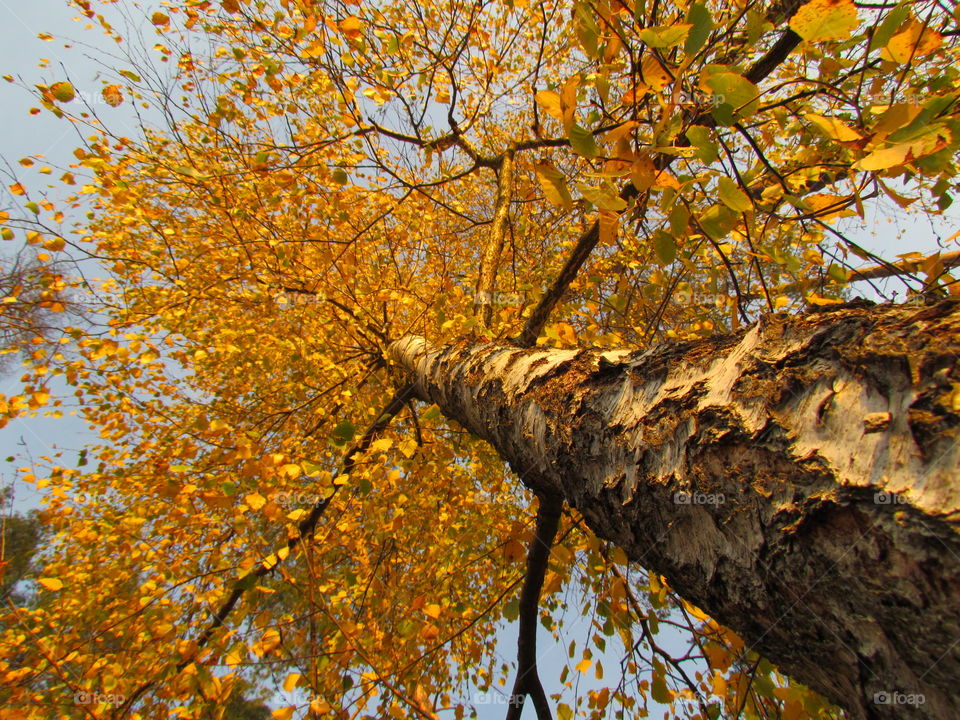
(319, 705)
(584, 665)
(654, 73)
(291, 682)
(643, 173)
(50, 583)
(351, 27)
(160, 19)
(284, 713)
(432, 610)
(620, 131)
(884, 158)
(825, 20)
(381, 445)
(608, 221)
(554, 185)
(235, 657)
(112, 95)
(550, 102)
(829, 206)
(255, 501)
(913, 41)
(833, 128)
(814, 299)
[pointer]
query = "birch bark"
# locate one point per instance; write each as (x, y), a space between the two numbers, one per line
(797, 480)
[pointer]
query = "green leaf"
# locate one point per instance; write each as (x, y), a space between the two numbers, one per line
(340, 176)
(511, 609)
(63, 91)
(718, 221)
(894, 20)
(130, 75)
(665, 36)
(701, 26)
(344, 432)
(587, 29)
(701, 138)
(665, 247)
(679, 218)
(658, 689)
(582, 141)
(32, 207)
(732, 196)
(605, 198)
(732, 89)
(554, 185)
(310, 467)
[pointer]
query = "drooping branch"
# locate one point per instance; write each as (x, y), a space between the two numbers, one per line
(528, 679)
(796, 480)
(305, 529)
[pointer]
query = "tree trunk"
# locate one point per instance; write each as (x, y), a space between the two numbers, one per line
(797, 480)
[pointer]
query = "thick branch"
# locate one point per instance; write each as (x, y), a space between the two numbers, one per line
(796, 480)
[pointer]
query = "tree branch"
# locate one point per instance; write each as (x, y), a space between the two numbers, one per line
(528, 679)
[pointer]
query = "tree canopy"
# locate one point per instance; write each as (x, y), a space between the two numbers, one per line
(312, 180)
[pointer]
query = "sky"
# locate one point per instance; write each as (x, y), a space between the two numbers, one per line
(885, 232)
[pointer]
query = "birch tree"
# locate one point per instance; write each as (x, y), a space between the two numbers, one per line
(341, 243)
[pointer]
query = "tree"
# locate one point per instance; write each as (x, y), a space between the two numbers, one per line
(313, 182)
(725, 464)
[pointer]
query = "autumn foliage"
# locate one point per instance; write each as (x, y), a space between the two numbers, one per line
(310, 181)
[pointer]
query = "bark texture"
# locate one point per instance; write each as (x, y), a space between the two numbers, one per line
(797, 480)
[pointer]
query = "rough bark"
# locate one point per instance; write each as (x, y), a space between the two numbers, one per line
(797, 480)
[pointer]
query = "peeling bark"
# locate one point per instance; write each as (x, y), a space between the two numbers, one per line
(797, 480)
